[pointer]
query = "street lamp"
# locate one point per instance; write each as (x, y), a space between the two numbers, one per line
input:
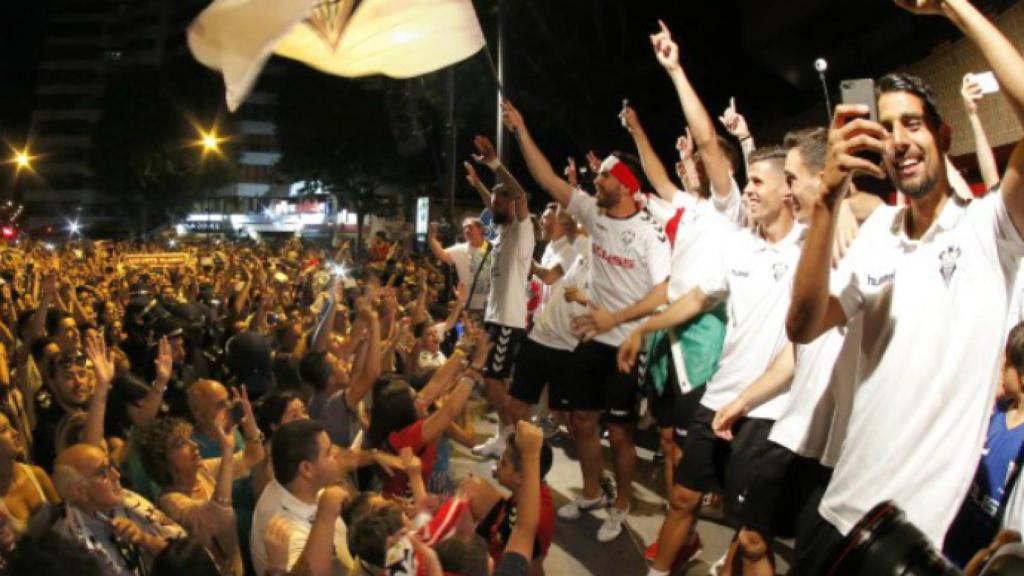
(23, 160)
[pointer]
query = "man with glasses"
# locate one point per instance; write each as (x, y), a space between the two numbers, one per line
(124, 530)
(69, 384)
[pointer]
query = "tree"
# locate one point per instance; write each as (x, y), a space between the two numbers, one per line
(147, 142)
(349, 137)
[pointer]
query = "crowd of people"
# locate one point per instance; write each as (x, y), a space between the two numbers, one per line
(812, 357)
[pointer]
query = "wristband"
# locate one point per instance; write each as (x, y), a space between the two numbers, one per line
(493, 164)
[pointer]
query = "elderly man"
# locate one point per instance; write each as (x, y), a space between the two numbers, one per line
(124, 530)
(208, 400)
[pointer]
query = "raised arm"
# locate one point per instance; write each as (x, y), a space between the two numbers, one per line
(972, 94)
(536, 162)
(1006, 62)
(813, 310)
(363, 382)
(529, 440)
(653, 168)
(103, 366)
(487, 156)
(435, 246)
(736, 125)
(474, 181)
(716, 163)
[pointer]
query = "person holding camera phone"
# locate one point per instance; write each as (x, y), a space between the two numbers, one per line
(913, 276)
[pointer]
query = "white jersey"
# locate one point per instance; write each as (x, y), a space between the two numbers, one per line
(466, 260)
(553, 326)
(510, 271)
(630, 257)
(934, 312)
(756, 278)
(559, 253)
(805, 424)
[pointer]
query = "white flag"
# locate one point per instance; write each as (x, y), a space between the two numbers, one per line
(398, 38)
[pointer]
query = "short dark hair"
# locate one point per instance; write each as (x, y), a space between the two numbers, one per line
(1015, 347)
(812, 143)
(315, 370)
(900, 82)
(463, 557)
(294, 443)
(184, 556)
(767, 154)
(272, 407)
(515, 457)
(368, 537)
(51, 554)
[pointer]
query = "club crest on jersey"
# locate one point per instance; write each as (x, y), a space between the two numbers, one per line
(779, 270)
(948, 259)
(628, 236)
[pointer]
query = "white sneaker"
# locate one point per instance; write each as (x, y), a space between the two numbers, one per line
(577, 507)
(493, 448)
(612, 526)
(719, 565)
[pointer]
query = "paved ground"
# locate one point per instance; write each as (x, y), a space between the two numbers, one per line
(576, 549)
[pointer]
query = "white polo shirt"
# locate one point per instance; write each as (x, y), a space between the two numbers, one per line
(756, 278)
(557, 253)
(511, 257)
(276, 500)
(630, 256)
(934, 313)
(553, 326)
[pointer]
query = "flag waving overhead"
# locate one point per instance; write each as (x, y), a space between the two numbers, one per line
(398, 38)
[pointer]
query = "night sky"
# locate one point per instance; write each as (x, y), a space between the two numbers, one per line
(571, 62)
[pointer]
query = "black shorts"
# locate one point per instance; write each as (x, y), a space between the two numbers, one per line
(674, 409)
(505, 342)
(539, 365)
(783, 493)
(710, 464)
(816, 553)
(597, 385)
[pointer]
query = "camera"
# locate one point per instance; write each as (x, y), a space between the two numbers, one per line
(885, 543)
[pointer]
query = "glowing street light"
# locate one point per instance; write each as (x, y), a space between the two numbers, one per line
(74, 227)
(23, 160)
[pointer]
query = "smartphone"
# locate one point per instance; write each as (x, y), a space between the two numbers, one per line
(237, 413)
(860, 91)
(987, 81)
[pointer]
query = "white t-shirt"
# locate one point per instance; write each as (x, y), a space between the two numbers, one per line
(276, 500)
(630, 257)
(805, 424)
(756, 278)
(731, 206)
(553, 326)
(934, 313)
(466, 260)
(557, 253)
(511, 257)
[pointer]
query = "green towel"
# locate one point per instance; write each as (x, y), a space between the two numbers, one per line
(701, 339)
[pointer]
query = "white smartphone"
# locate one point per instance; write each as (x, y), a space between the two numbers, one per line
(987, 81)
